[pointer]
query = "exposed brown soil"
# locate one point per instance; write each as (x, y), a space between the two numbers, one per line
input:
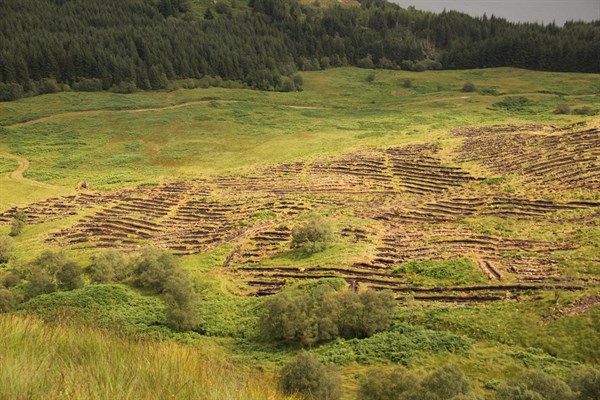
(415, 199)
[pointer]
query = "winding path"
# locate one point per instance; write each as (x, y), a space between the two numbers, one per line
(17, 174)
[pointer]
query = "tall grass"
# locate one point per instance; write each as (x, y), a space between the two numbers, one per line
(66, 361)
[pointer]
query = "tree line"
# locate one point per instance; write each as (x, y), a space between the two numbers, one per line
(52, 45)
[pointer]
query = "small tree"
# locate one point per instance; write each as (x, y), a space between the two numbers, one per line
(305, 376)
(370, 77)
(8, 300)
(68, 276)
(18, 223)
(313, 236)
(40, 282)
(108, 266)
(6, 249)
(407, 84)
(153, 267)
(182, 310)
(51, 261)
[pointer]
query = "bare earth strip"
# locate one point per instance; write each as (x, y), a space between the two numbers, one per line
(17, 174)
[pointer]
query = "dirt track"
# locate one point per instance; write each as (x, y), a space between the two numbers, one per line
(17, 174)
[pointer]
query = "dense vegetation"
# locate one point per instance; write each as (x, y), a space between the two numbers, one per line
(49, 46)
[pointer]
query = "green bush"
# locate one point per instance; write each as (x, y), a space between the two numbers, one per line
(153, 267)
(306, 377)
(396, 384)
(88, 85)
(469, 87)
(320, 313)
(313, 236)
(40, 282)
(532, 384)
(108, 266)
(562, 109)
(6, 249)
(447, 382)
(8, 300)
(68, 276)
(585, 110)
(511, 103)
(585, 383)
(18, 223)
(51, 261)
(370, 77)
(182, 309)
(10, 91)
(407, 83)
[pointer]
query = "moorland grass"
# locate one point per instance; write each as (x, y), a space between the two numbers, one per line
(76, 361)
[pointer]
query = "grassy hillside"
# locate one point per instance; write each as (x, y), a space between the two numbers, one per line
(67, 359)
(477, 209)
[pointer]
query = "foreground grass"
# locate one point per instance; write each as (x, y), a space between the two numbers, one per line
(58, 361)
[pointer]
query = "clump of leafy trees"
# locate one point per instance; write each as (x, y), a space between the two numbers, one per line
(312, 314)
(160, 271)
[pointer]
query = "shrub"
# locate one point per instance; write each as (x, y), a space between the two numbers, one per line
(325, 62)
(562, 109)
(376, 384)
(108, 266)
(585, 382)
(535, 385)
(366, 62)
(153, 267)
(407, 84)
(364, 314)
(287, 85)
(469, 87)
(370, 77)
(313, 236)
(18, 223)
(447, 382)
(320, 313)
(10, 91)
(301, 316)
(182, 312)
(305, 376)
(585, 110)
(88, 85)
(40, 282)
(6, 249)
(68, 276)
(511, 103)
(8, 300)
(49, 85)
(11, 279)
(298, 81)
(51, 261)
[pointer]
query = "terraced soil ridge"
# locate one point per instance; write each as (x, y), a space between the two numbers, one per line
(416, 201)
